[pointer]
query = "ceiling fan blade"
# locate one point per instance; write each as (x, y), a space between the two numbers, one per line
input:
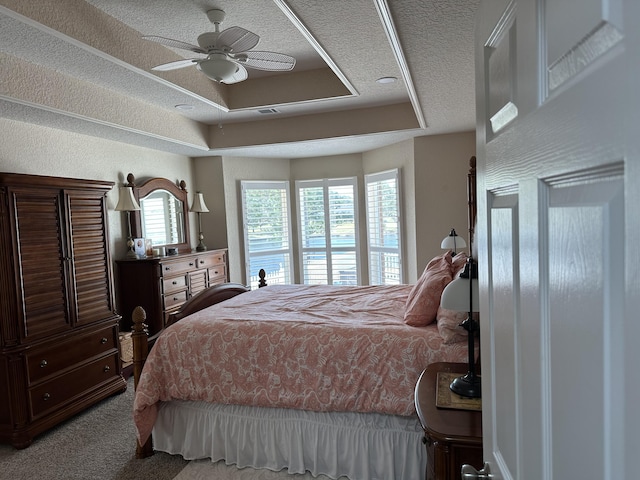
(175, 65)
(236, 39)
(266, 61)
(169, 42)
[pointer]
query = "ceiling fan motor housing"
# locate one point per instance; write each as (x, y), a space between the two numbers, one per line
(215, 15)
(207, 40)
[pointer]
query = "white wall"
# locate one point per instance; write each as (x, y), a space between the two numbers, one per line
(37, 150)
(441, 166)
(433, 182)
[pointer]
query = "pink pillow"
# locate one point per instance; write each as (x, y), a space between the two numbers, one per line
(449, 325)
(457, 264)
(424, 299)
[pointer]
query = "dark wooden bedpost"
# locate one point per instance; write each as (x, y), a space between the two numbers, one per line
(262, 282)
(140, 350)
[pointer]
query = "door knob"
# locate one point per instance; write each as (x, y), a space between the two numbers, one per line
(470, 473)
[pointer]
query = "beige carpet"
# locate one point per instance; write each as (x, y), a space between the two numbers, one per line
(205, 469)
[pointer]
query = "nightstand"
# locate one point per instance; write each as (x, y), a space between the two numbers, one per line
(452, 437)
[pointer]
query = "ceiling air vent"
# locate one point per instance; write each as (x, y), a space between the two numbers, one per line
(268, 111)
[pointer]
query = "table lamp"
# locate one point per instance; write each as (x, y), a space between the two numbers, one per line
(462, 295)
(452, 242)
(199, 207)
(127, 203)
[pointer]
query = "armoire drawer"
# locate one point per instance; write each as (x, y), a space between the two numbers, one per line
(68, 387)
(49, 360)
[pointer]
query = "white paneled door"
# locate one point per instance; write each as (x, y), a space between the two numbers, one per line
(558, 129)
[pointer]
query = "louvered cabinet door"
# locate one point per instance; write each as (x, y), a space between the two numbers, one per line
(91, 285)
(42, 260)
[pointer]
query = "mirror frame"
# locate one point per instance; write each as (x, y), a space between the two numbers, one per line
(178, 190)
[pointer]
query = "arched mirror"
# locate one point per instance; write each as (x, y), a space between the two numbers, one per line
(164, 213)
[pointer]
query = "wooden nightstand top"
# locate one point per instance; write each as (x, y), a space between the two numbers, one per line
(445, 424)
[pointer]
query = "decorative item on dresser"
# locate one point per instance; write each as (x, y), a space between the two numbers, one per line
(159, 283)
(58, 326)
(127, 203)
(453, 437)
(199, 207)
(162, 284)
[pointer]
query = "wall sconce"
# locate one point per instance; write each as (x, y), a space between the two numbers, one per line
(452, 242)
(461, 295)
(199, 207)
(127, 203)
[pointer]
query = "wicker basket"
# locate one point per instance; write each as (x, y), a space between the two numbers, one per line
(126, 348)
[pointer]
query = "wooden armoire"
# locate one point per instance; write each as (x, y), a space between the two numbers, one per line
(58, 322)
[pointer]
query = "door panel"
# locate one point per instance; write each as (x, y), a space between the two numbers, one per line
(558, 179)
(585, 217)
(504, 328)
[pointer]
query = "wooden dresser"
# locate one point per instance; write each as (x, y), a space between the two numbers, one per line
(162, 284)
(58, 322)
(452, 437)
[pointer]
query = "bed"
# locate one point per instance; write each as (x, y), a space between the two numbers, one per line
(299, 377)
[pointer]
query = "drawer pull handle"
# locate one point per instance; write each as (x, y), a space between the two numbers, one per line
(167, 268)
(175, 299)
(215, 272)
(103, 340)
(191, 264)
(43, 363)
(46, 397)
(201, 261)
(174, 282)
(106, 368)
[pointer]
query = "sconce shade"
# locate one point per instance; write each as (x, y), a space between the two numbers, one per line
(126, 201)
(453, 241)
(198, 204)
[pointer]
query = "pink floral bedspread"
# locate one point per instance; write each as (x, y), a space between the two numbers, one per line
(310, 347)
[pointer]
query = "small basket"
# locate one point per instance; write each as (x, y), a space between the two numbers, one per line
(126, 348)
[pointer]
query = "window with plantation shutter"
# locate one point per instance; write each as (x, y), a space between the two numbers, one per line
(162, 221)
(267, 231)
(328, 231)
(383, 227)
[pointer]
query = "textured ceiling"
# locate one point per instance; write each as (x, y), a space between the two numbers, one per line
(83, 66)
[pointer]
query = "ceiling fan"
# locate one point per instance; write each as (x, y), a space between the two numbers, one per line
(227, 53)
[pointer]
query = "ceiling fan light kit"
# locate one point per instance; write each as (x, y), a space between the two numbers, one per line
(227, 53)
(218, 68)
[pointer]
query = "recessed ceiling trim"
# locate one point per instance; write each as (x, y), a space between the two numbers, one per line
(392, 35)
(314, 43)
(98, 53)
(102, 122)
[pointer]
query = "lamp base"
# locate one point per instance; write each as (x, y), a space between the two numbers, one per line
(201, 247)
(468, 385)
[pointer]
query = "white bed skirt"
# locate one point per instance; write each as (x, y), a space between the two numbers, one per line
(355, 445)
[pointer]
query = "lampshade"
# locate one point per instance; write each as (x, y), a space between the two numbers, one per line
(218, 67)
(198, 204)
(456, 294)
(453, 241)
(126, 201)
